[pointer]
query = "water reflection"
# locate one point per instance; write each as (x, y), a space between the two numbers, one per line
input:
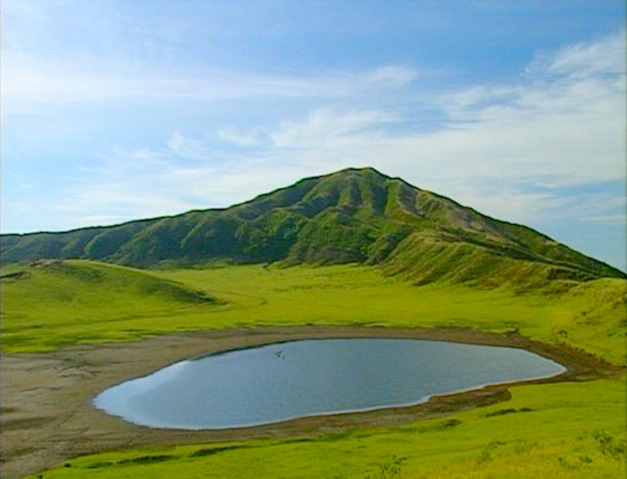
(303, 378)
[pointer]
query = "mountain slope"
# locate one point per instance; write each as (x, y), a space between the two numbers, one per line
(355, 215)
(52, 303)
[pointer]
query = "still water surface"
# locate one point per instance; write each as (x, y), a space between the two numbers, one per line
(282, 381)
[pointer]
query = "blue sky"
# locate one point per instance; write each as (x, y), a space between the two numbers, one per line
(118, 110)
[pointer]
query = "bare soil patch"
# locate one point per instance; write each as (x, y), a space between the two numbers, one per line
(48, 418)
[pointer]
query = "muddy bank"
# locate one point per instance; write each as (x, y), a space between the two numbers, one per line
(47, 416)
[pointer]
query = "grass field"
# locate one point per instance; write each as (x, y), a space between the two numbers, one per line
(83, 302)
(77, 302)
(555, 430)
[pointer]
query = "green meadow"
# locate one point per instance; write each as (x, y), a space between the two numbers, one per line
(554, 430)
(565, 430)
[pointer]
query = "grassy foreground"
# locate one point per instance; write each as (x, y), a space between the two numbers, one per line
(556, 430)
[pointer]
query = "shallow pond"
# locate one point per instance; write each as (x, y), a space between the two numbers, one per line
(282, 381)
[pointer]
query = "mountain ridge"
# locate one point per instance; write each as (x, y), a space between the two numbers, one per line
(353, 215)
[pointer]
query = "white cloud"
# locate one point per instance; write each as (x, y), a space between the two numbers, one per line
(616, 219)
(56, 53)
(30, 83)
(240, 138)
(325, 128)
(187, 148)
(562, 125)
(584, 59)
(394, 76)
(562, 130)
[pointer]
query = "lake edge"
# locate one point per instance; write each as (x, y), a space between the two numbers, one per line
(104, 365)
(113, 400)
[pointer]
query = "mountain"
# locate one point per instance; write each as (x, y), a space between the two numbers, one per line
(354, 215)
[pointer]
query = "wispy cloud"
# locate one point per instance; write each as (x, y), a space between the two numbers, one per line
(187, 148)
(605, 57)
(326, 128)
(100, 52)
(561, 125)
(31, 83)
(241, 138)
(617, 219)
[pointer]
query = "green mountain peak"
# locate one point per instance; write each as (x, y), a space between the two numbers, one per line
(353, 215)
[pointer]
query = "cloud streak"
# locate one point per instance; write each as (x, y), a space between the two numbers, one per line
(30, 83)
(561, 126)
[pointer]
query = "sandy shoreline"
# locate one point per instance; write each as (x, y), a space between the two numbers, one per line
(47, 416)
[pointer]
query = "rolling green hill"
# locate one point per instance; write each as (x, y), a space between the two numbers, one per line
(352, 216)
(51, 303)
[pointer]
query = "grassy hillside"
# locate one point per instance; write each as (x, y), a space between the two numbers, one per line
(79, 301)
(590, 316)
(352, 216)
(54, 303)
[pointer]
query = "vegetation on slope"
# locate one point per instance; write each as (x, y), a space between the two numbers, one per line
(48, 308)
(55, 303)
(352, 216)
